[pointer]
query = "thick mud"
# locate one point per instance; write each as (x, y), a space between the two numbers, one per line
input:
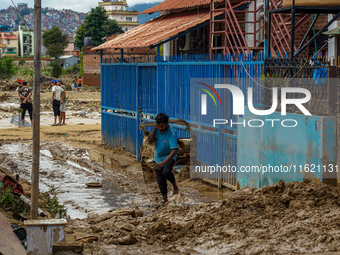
(68, 169)
(292, 218)
(124, 215)
(60, 171)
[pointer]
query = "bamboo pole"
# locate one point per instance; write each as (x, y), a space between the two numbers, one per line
(36, 110)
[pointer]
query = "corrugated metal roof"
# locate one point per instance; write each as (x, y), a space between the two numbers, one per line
(156, 31)
(177, 4)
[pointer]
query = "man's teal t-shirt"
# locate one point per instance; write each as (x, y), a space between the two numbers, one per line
(165, 143)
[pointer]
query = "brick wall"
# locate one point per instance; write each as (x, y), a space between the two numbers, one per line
(91, 68)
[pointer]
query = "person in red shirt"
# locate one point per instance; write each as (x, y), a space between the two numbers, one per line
(79, 84)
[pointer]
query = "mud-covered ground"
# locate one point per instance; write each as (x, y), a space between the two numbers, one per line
(287, 218)
(81, 108)
(124, 215)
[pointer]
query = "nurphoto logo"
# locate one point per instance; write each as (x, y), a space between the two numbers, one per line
(239, 102)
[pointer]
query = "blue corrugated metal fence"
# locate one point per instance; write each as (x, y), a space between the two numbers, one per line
(136, 92)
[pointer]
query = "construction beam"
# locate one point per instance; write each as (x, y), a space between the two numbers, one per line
(309, 29)
(317, 35)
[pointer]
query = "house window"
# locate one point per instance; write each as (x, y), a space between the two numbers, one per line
(116, 8)
(126, 29)
(128, 18)
(8, 41)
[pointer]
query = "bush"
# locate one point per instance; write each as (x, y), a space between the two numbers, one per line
(21, 61)
(72, 70)
(12, 201)
(52, 204)
(7, 69)
(28, 72)
(46, 71)
(56, 71)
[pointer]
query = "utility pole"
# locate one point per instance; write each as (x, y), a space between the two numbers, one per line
(36, 110)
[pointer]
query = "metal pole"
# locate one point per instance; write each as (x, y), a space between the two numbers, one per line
(267, 30)
(36, 109)
(292, 35)
(309, 29)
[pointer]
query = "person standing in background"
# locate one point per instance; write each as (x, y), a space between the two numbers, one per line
(63, 105)
(58, 95)
(25, 102)
(75, 86)
(79, 84)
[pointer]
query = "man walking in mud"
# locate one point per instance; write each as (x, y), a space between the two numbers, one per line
(166, 149)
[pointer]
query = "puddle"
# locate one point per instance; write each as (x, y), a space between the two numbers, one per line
(68, 179)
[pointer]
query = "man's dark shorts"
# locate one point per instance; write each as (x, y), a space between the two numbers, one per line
(56, 107)
(24, 107)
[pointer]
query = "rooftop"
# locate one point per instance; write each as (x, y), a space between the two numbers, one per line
(178, 4)
(156, 31)
(8, 36)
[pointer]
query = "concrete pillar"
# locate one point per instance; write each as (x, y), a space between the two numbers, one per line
(331, 43)
(166, 50)
(42, 234)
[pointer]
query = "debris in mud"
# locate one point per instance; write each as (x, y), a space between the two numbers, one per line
(3, 97)
(127, 240)
(283, 218)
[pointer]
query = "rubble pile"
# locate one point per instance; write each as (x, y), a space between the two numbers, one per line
(283, 218)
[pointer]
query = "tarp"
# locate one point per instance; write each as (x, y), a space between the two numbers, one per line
(9, 242)
(11, 182)
(15, 121)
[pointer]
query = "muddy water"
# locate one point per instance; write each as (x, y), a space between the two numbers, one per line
(68, 179)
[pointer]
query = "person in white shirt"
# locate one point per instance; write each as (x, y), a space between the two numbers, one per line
(58, 95)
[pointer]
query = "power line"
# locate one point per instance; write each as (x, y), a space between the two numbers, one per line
(21, 15)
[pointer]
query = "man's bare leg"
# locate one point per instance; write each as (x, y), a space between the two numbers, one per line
(165, 198)
(174, 185)
(23, 122)
(63, 117)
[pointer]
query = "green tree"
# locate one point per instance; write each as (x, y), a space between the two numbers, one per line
(25, 11)
(113, 27)
(21, 61)
(56, 70)
(7, 69)
(80, 35)
(55, 42)
(97, 25)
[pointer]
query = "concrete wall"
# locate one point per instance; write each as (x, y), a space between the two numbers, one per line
(312, 141)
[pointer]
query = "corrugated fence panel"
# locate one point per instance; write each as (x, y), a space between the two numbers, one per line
(148, 81)
(165, 87)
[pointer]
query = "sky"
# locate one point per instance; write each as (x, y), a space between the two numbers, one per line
(76, 5)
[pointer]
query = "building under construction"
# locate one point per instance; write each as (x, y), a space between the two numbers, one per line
(235, 27)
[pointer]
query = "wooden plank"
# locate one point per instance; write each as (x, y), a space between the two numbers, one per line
(9, 242)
